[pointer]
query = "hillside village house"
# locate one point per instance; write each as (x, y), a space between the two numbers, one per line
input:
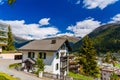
(54, 52)
(3, 35)
(107, 70)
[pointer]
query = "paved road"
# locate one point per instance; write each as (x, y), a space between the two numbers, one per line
(24, 76)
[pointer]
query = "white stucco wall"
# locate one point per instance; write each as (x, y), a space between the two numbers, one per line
(55, 61)
(48, 61)
(58, 60)
(25, 55)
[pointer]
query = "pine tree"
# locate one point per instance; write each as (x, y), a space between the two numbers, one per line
(10, 2)
(39, 65)
(88, 58)
(108, 58)
(10, 40)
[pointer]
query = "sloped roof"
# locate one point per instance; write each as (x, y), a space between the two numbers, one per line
(30, 60)
(44, 45)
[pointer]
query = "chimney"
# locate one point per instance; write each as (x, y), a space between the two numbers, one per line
(53, 41)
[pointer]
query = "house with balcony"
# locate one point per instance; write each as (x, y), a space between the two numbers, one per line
(107, 70)
(3, 35)
(53, 51)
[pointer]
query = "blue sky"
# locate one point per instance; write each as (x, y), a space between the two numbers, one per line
(35, 19)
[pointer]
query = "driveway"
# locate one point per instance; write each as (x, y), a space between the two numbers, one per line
(22, 75)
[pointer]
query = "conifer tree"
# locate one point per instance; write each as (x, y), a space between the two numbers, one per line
(88, 58)
(11, 1)
(10, 40)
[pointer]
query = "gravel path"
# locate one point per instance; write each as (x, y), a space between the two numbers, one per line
(22, 75)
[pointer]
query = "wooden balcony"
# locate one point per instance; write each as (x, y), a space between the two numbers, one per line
(63, 68)
(72, 63)
(63, 58)
(3, 36)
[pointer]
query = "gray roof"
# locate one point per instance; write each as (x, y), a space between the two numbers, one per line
(44, 45)
(30, 60)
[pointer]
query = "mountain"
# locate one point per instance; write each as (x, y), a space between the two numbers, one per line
(70, 38)
(105, 38)
(18, 41)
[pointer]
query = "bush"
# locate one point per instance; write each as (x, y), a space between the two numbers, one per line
(4, 76)
(15, 65)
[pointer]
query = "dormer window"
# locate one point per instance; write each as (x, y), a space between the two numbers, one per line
(53, 41)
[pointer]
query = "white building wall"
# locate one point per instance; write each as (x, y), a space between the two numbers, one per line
(48, 61)
(58, 60)
(25, 55)
(55, 61)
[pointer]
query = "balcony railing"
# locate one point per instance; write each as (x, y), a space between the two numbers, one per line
(3, 43)
(63, 58)
(4, 28)
(3, 36)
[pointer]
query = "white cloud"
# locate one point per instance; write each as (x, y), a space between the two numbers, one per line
(30, 31)
(84, 27)
(44, 21)
(116, 18)
(90, 4)
(78, 2)
(67, 33)
(74, 1)
(2, 2)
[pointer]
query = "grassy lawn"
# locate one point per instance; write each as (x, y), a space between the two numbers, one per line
(4, 76)
(79, 76)
(118, 65)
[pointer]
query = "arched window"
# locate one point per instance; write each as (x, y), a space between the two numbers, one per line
(57, 66)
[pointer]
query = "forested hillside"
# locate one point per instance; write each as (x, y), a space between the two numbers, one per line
(106, 38)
